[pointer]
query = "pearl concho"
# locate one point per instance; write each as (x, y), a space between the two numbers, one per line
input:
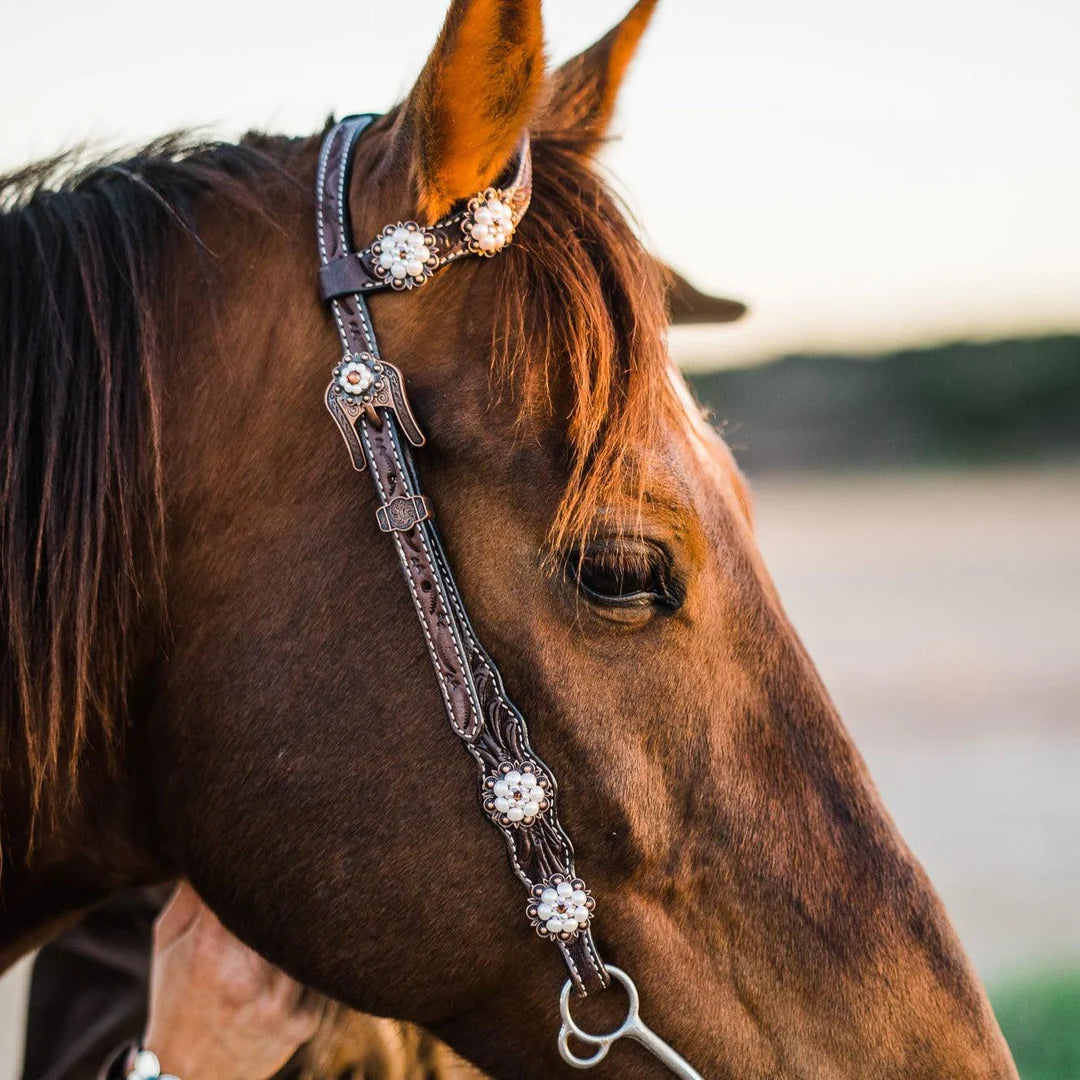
(489, 223)
(517, 794)
(358, 378)
(404, 255)
(560, 909)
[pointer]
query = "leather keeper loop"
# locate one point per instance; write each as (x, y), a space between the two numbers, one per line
(345, 276)
(403, 512)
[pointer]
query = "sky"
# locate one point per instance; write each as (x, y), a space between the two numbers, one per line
(866, 175)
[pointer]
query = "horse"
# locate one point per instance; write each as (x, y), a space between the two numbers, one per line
(211, 669)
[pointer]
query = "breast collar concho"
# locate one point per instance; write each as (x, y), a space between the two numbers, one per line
(366, 398)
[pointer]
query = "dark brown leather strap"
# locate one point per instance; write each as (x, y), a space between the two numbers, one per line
(408, 515)
(367, 401)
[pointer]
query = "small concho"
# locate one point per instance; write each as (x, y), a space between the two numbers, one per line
(517, 794)
(404, 255)
(559, 908)
(358, 379)
(489, 223)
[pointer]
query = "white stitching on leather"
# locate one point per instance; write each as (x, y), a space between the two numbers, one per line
(320, 185)
(369, 333)
(568, 861)
(466, 672)
(574, 973)
(369, 338)
(455, 600)
(324, 160)
(586, 938)
(412, 587)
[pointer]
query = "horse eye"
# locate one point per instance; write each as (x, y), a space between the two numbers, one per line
(624, 574)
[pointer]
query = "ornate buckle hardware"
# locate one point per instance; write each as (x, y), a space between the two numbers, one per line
(363, 383)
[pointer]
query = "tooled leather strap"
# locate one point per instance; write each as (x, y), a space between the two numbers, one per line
(367, 401)
(446, 240)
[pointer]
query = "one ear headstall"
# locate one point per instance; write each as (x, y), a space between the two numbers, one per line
(366, 397)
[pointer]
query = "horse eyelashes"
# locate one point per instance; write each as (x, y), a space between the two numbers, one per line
(625, 573)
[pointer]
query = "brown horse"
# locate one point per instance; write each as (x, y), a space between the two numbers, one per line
(211, 667)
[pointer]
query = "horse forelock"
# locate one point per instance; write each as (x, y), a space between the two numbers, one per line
(580, 327)
(709, 450)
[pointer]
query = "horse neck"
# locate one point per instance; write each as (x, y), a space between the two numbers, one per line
(81, 844)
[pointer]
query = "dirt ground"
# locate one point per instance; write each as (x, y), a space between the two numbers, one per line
(944, 613)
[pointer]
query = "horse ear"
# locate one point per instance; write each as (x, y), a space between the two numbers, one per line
(465, 115)
(581, 94)
(687, 305)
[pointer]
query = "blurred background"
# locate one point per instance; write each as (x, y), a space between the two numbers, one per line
(893, 191)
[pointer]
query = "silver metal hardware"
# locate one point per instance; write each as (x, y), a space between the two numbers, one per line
(631, 1028)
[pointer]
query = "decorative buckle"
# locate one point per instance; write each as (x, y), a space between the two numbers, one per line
(362, 384)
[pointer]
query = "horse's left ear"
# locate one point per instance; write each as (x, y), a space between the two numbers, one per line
(581, 95)
(466, 113)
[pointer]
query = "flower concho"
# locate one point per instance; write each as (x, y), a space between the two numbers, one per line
(517, 794)
(404, 255)
(358, 379)
(489, 222)
(560, 909)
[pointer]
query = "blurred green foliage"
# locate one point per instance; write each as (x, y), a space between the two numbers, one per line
(1040, 1017)
(964, 404)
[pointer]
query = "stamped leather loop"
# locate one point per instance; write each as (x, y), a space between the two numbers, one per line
(403, 512)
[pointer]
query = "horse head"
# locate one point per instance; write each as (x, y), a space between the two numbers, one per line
(287, 749)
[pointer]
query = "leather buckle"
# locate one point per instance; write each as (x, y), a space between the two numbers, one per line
(402, 512)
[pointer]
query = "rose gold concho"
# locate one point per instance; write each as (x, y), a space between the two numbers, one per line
(560, 908)
(490, 221)
(517, 794)
(403, 254)
(358, 379)
(360, 386)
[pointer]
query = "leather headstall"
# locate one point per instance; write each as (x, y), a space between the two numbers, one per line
(367, 399)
